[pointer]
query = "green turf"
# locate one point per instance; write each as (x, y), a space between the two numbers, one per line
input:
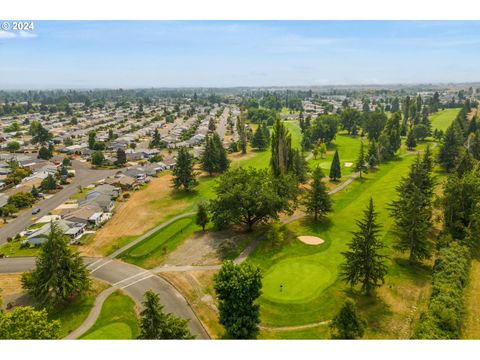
(348, 148)
(295, 280)
(442, 119)
(74, 314)
(348, 206)
(149, 252)
(117, 320)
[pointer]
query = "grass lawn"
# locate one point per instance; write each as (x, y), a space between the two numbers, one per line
(323, 296)
(13, 249)
(117, 320)
(471, 326)
(442, 119)
(150, 251)
(348, 148)
(75, 313)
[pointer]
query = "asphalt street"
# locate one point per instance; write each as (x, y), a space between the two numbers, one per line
(84, 176)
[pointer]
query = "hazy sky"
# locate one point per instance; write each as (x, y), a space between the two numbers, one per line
(85, 54)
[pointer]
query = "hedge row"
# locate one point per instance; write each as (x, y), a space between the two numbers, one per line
(443, 319)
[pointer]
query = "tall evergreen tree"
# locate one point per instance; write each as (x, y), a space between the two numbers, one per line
(412, 211)
(60, 273)
(363, 262)
(335, 169)
(410, 142)
(121, 157)
(316, 199)
(156, 141)
(281, 159)
(347, 324)
(222, 156)
(372, 155)
(299, 166)
(259, 141)
(450, 149)
(156, 325)
(202, 215)
(183, 172)
(209, 159)
(361, 161)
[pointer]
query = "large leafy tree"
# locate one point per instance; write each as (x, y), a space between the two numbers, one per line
(237, 288)
(183, 172)
(347, 324)
(364, 263)
(248, 196)
(26, 323)
(351, 119)
(60, 273)
(412, 211)
(202, 218)
(156, 325)
(316, 198)
(335, 169)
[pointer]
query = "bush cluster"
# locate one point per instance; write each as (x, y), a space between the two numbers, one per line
(443, 319)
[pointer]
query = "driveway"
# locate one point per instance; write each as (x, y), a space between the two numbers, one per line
(84, 176)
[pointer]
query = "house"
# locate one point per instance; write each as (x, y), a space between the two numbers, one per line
(83, 214)
(133, 155)
(137, 173)
(123, 181)
(103, 201)
(71, 229)
(3, 200)
(105, 189)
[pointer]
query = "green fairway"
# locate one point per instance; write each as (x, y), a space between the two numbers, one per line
(442, 119)
(117, 320)
(319, 300)
(348, 148)
(149, 252)
(295, 280)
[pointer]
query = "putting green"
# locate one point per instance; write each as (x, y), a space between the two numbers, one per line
(114, 331)
(295, 280)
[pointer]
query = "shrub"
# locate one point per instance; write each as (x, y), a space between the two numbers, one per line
(443, 318)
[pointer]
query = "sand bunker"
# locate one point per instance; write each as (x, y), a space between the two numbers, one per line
(348, 164)
(311, 240)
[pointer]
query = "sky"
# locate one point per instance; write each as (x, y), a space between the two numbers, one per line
(144, 54)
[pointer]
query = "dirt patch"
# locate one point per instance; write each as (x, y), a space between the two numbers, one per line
(134, 217)
(311, 240)
(197, 288)
(205, 248)
(348, 164)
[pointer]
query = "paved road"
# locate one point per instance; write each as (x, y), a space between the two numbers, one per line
(130, 278)
(222, 124)
(84, 176)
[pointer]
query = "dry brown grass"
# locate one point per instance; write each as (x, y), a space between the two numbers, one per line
(145, 209)
(471, 326)
(197, 288)
(10, 284)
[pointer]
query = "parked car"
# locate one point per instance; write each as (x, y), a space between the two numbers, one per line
(35, 211)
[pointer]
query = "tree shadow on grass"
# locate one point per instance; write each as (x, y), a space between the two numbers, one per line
(417, 272)
(372, 308)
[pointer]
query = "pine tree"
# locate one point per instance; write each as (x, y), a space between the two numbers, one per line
(316, 199)
(465, 164)
(259, 141)
(411, 142)
(412, 211)
(299, 166)
(360, 163)
(222, 157)
(449, 150)
(335, 170)
(372, 155)
(155, 139)
(183, 173)
(209, 159)
(34, 192)
(347, 324)
(363, 262)
(121, 157)
(202, 215)
(156, 325)
(60, 273)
